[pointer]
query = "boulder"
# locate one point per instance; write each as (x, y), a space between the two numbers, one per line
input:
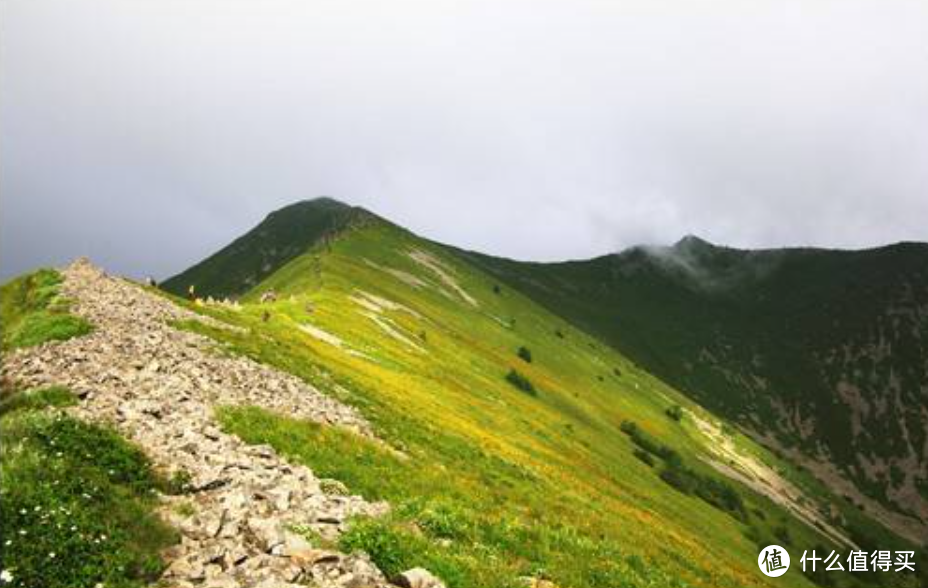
(418, 578)
(267, 533)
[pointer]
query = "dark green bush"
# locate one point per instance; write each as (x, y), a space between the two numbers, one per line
(716, 492)
(781, 532)
(675, 412)
(679, 478)
(525, 354)
(648, 443)
(644, 456)
(521, 382)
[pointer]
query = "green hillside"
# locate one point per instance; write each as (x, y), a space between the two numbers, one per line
(283, 235)
(516, 443)
(816, 350)
(33, 311)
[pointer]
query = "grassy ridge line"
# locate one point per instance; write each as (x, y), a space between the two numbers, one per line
(33, 311)
(281, 236)
(532, 459)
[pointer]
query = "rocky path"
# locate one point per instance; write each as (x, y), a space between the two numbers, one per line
(158, 386)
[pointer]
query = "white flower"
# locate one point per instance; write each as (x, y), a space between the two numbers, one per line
(51, 555)
(6, 577)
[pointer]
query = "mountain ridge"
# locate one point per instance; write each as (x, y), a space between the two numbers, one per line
(282, 235)
(337, 216)
(700, 316)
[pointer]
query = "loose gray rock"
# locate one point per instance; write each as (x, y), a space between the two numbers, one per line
(418, 578)
(159, 387)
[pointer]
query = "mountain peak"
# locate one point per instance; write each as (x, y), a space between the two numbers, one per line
(283, 235)
(317, 202)
(692, 242)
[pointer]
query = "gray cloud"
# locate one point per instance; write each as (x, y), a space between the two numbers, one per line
(148, 134)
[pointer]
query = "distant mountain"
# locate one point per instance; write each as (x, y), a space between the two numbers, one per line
(281, 236)
(819, 353)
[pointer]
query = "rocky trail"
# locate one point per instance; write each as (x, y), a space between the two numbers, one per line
(159, 386)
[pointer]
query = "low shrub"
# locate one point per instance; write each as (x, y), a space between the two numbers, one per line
(648, 443)
(716, 492)
(394, 547)
(393, 550)
(521, 382)
(644, 456)
(525, 354)
(179, 482)
(445, 520)
(781, 532)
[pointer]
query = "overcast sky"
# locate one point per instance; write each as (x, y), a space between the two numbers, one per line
(147, 134)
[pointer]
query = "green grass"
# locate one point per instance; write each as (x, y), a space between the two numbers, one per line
(544, 485)
(749, 332)
(32, 312)
(449, 521)
(35, 399)
(76, 500)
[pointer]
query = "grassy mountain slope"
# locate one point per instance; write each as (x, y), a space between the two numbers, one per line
(823, 352)
(33, 311)
(283, 235)
(492, 479)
